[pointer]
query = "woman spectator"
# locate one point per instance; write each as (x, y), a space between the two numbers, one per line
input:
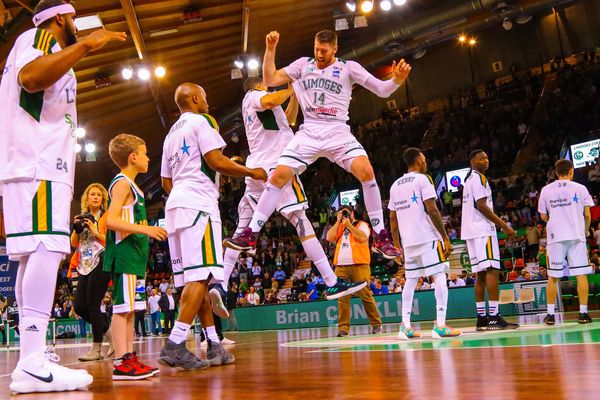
(88, 238)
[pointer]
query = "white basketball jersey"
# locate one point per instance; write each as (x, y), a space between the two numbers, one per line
(564, 202)
(195, 184)
(407, 197)
(37, 139)
(474, 224)
(325, 94)
(267, 131)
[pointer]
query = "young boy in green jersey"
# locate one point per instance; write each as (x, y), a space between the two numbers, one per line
(126, 253)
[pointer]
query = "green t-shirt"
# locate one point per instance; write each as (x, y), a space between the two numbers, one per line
(542, 259)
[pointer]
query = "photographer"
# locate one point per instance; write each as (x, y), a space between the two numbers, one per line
(88, 238)
(352, 262)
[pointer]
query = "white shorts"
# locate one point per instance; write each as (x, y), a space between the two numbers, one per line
(426, 260)
(568, 258)
(36, 212)
(196, 246)
(311, 142)
(484, 253)
(292, 199)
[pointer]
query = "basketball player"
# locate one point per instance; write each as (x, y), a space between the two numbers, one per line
(415, 218)
(565, 207)
(268, 135)
(191, 163)
(478, 228)
(323, 85)
(37, 153)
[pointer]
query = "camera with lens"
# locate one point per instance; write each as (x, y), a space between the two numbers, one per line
(79, 225)
(345, 213)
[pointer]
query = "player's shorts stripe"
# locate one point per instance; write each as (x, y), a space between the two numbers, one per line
(489, 252)
(208, 247)
(300, 196)
(42, 208)
(211, 121)
(355, 148)
(440, 251)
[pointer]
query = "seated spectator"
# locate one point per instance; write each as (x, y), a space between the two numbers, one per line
(311, 290)
(542, 257)
(279, 276)
(252, 297)
(257, 284)
(525, 276)
(541, 275)
(422, 284)
(455, 281)
(271, 299)
(243, 286)
(266, 281)
(470, 279)
(378, 288)
(400, 286)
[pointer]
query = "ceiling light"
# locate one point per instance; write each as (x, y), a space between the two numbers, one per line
(162, 32)
(399, 2)
(143, 74)
(351, 5)
(127, 73)
(472, 42)
(385, 5)
(462, 38)
(239, 64)
(90, 147)
(366, 6)
(160, 71)
(252, 63)
(80, 132)
(89, 22)
(77, 147)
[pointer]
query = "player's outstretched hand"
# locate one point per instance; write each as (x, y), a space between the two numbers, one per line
(510, 232)
(98, 39)
(156, 232)
(400, 71)
(259, 174)
(272, 39)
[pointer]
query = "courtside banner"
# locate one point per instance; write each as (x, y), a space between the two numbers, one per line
(315, 314)
(8, 277)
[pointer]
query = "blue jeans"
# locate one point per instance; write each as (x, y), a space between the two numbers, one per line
(155, 321)
(82, 327)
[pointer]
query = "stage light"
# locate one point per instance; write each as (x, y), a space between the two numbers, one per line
(90, 147)
(239, 64)
(80, 132)
(351, 5)
(160, 71)
(462, 38)
(127, 73)
(252, 63)
(143, 74)
(385, 5)
(77, 148)
(366, 6)
(472, 42)
(399, 2)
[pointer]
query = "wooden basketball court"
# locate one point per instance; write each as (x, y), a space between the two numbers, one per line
(533, 362)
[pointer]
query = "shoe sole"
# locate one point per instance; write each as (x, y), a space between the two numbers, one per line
(132, 378)
(584, 322)
(402, 336)
(436, 335)
(217, 305)
(34, 387)
(481, 328)
(503, 328)
(376, 250)
(230, 245)
(347, 292)
(181, 368)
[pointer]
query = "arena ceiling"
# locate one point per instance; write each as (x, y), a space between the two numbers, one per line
(203, 49)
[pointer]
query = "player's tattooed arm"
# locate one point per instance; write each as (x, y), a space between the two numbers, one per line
(436, 219)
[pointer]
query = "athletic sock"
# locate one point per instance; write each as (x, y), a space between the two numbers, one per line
(408, 294)
(229, 260)
(480, 308)
(493, 305)
(372, 199)
(315, 252)
(266, 205)
(583, 308)
(211, 334)
(441, 298)
(551, 309)
(32, 332)
(179, 333)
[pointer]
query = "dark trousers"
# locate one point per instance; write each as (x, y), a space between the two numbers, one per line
(169, 320)
(138, 320)
(88, 297)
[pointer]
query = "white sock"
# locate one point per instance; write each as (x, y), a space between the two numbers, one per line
(315, 252)
(266, 205)
(179, 333)
(372, 199)
(441, 298)
(408, 294)
(229, 260)
(480, 308)
(493, 306)
(32, 336)
(551, 309)
(211, 334)
(583, 308)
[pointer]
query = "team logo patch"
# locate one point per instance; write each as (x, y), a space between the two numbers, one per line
(578, 155)
(261, 223)
(375, 221)
(336, 74)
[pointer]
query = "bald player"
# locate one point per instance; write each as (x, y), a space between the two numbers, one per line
(191, 162)
(38, 117)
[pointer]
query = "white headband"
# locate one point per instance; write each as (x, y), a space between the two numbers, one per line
(48, 13)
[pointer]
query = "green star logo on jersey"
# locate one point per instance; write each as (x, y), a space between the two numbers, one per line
(185, 149)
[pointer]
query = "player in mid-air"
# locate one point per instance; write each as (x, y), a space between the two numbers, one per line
(323, 86)
(268, 134)
(415, 218)
(565, 206)
(38, 117)
(478, 229)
